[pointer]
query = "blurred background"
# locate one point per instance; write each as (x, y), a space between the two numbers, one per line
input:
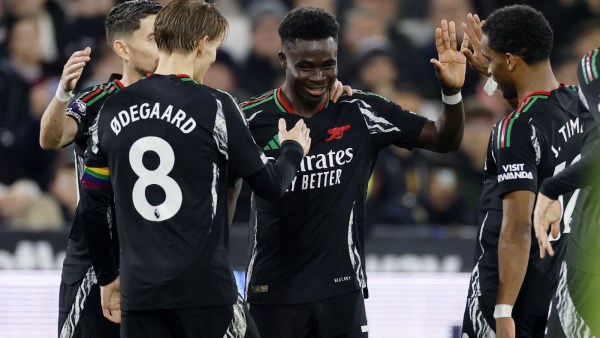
(422, 207)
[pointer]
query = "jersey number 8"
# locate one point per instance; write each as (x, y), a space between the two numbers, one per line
(158, 176)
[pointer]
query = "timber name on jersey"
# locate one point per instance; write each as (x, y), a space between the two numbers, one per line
(164, 144)
(542, 136)
(309, 244)
(84, 108)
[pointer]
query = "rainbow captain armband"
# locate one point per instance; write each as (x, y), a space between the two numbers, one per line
(96, 178)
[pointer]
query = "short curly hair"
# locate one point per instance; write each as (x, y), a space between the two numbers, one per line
(520, 30)
(124, 18)
(308, 23)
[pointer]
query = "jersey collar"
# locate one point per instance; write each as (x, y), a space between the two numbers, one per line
(284, 107)
(538, 93)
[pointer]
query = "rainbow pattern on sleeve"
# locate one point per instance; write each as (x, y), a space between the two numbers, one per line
(96, 178)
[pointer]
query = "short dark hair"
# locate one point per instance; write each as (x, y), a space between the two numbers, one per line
(520, 30)
(181, 24)
(124, 18)
(308, 23)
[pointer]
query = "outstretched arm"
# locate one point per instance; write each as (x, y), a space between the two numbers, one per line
(446, 133)
(57, 129)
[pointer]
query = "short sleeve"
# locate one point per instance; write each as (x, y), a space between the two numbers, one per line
(388, 123)
(79, 111)
(518, 155)
(244, 156)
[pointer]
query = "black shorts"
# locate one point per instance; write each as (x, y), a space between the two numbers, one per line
(341, 316)
(80, 312)
(575, 311)
(206, 322)
(530, 312)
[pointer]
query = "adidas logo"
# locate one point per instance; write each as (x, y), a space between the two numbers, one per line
(273, 144)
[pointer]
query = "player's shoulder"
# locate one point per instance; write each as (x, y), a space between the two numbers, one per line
(562, 99)
(368, 97)
(512, 129)
(257, 102)
(94, 95)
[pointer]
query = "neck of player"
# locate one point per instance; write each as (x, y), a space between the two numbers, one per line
(130, 76)
(176, 63)
(299, 105)
(537, 78)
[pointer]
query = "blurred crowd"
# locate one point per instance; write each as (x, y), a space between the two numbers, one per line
(385, 48)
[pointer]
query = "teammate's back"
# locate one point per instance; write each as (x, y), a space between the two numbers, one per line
(166, 138)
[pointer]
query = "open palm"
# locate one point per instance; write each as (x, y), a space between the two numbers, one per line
(451, 64)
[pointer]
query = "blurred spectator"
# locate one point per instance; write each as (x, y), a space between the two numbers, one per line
(362, 30)
(20, 154)
(379, 73)
(386, 10)
(399, 179)
(25, 169)
(64, 189)
(24, 207)
(85, 28)
(261, 70)
(222, 75)
(327, 5)
(442, 200)
(49, 22)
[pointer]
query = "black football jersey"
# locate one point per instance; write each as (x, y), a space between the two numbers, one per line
(309, 244)
(83, 109)
(163, 145)
(537, 140)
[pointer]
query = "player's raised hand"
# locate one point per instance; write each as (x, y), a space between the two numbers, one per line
(110, 298)
(300, 133)
(547, 213)
(337, 89)
(472, 34)
(73, 68)
(451, 64)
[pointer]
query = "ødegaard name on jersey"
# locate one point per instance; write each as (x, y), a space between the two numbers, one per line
(321, 170)
(147, 111)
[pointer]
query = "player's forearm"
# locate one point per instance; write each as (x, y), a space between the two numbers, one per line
(513, 256)
(450, 126)
(54, 125)
(92, 213)
(272, 181)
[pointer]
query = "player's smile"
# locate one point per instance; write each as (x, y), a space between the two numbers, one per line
(316, 90)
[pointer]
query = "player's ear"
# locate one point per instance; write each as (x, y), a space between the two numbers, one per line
(120, 47)
(282, 59)
(201, 45)
(512, 60)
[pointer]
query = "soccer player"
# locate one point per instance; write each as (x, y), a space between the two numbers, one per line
(129, 31)
(511, 288)
(163, 146)
(306, 276)
(575, 310)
